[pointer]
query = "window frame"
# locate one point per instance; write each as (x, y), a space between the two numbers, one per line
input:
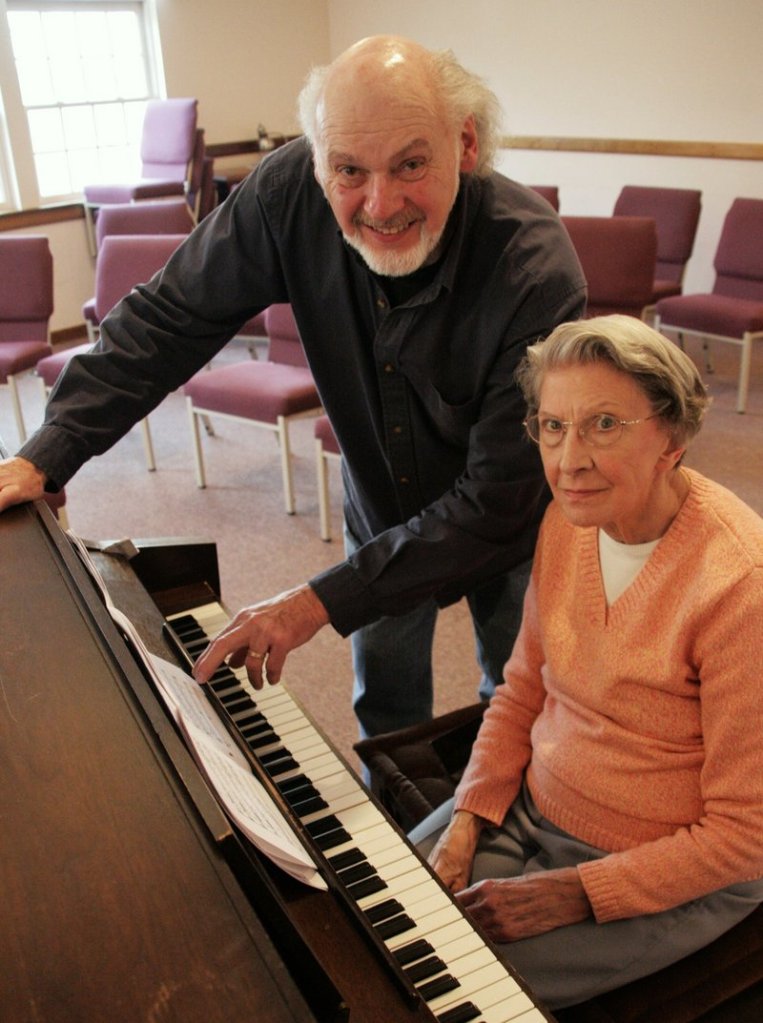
(19, 188)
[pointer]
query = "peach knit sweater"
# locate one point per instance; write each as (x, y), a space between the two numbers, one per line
(640, 726)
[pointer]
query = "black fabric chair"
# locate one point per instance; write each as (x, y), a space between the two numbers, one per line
(414, 770)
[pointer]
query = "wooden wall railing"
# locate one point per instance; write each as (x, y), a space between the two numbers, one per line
(644, 147)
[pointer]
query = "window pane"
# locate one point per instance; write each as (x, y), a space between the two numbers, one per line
(84, 80)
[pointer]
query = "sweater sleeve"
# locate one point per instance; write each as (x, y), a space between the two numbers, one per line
(724, 846)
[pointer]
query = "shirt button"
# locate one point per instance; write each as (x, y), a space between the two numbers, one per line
(389, 368)
(397, 429)
(381, 303)
(404, 480)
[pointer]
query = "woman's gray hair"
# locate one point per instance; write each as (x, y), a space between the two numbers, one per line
(461, 93)
(665, 374)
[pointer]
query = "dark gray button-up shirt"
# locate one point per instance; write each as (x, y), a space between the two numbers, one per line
(442, 488)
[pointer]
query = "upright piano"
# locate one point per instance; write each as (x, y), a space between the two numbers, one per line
(128, 894)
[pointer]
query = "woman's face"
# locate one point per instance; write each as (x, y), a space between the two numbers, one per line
(629, 488)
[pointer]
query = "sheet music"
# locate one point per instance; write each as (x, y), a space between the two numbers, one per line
(223, 764)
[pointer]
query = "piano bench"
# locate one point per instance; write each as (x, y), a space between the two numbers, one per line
(415, 769)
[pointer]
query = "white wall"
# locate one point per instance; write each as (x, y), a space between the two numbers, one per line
(643, 69)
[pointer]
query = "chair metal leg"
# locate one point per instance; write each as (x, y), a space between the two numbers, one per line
(16, 403)
(288, 485)
(744, 373)
(148, 445)
(196, 441)
(709, 367)
(321, 467)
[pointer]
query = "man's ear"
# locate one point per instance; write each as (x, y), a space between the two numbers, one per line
(469, 146)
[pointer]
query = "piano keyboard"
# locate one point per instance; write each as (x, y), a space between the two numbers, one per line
(423, 934)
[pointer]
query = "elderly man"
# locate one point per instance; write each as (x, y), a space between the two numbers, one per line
(417, 277)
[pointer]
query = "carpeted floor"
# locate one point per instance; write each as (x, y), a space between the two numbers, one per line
(262, 551)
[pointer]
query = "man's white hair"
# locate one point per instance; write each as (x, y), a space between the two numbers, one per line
(460, 92)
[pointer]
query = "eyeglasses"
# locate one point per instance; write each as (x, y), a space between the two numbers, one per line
(600, 430)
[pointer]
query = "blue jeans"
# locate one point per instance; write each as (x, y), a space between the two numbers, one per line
(392, 657)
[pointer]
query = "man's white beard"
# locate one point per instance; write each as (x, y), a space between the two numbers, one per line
(396, 264)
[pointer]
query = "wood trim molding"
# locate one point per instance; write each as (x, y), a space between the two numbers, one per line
(19, 219)
(644, 147)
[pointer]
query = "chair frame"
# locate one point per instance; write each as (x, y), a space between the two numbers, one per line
(745, 342)
(322, 458)
(280, 428)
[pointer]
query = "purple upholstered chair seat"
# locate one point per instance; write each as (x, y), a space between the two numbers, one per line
(149, 188)
(49, 368)
(20, 356)
(713, 314)
(261, 391)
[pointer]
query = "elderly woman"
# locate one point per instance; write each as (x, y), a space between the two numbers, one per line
(610, 820)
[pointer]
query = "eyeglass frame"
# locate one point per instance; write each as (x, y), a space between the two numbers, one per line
(567, 423)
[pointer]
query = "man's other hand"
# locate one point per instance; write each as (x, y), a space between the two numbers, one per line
(19, 481)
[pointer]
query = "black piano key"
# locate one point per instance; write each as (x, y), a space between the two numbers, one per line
(304, 807)
(289, 764)
(323, 824)
(274, 755)
(253, 724)
(369, 886)
(425, 968)
(295, 796)
(383, 910)
(356, 872)
(236, 702)
(261, 739)
(346, 859)
(463, 1013)
(412, 951)
(223, 679)
(439, 986)
(395, 925)
(331, 839)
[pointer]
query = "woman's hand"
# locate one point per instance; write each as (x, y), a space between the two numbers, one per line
(511, 908)
(452, 857)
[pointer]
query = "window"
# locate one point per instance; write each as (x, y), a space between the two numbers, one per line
(83, 75)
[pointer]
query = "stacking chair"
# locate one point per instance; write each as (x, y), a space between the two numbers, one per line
(26, 305)
(326, 450)
(618, 256)
(675, 212)
(549, 192)
(733, 312)
(168, 143)
(270, 394)
(123, 261)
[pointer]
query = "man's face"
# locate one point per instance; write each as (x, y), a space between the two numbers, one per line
(389, 168)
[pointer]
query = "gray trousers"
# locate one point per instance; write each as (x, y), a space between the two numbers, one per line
(571, 964)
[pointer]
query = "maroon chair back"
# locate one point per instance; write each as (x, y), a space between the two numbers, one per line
(285, 345)
(675, 212)
(738, 259)
(26, 287)
(126, 260)
(618, 256)
(172, 216)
